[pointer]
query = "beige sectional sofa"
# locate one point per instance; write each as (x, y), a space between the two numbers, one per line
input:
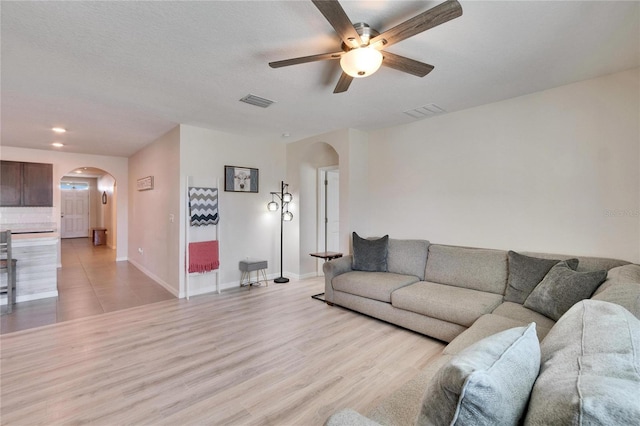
(466, 296)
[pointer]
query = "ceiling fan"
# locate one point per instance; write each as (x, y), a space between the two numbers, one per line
(362, 45)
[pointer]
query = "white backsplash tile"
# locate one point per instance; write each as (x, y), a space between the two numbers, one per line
(19, 218)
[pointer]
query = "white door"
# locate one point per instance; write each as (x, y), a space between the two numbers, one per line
(333, 210)
(328, 212)
(74, 213)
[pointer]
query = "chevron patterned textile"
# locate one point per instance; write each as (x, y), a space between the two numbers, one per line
(203, 206)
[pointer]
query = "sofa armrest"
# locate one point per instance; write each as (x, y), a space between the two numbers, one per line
(332, 269)
(349, 418)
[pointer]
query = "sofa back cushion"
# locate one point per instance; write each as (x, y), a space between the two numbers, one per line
(622, 286)
(586, 263)
(407, 257)
(590, 372)
(474, 268)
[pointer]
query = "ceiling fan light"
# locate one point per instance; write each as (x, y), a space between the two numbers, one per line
(361, 62)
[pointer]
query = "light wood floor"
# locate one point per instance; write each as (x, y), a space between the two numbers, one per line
(265, 356)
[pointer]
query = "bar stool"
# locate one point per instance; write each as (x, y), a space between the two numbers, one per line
(8, 264)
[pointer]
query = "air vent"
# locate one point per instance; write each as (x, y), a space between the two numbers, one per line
(257, 101)
(425, 111)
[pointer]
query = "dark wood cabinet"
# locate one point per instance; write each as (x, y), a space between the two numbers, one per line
(26, 184)
(37, 184)
(10, 184)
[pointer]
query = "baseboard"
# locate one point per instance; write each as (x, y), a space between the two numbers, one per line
(154, 277)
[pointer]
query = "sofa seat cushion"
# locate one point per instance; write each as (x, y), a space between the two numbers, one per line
(448, 303)
(372, 285)
(590, 368)
(518, 312)
(488, 383)
(487, 325)
(404, 404)
(472, 268)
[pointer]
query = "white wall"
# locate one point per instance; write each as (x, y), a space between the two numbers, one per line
(351, 147)
(554, 171)
(149, 226)
(247, 229)
(63, 163)
(107, 184)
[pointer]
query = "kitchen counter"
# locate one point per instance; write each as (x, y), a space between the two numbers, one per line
(36, 270)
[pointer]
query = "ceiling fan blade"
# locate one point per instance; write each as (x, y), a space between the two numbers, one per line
(335, 14)
(343, 83)
(440, 14)
(405, 64)
(305, 59)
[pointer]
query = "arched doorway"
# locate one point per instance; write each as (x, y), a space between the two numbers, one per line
(88, 202)
(318, 162)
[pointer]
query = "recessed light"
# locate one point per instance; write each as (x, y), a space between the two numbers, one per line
(78, 171)
(58, 144)
(59, 130)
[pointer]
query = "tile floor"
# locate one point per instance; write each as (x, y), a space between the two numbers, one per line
(90, 282)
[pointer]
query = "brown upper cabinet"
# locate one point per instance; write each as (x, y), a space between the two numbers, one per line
(26, 184)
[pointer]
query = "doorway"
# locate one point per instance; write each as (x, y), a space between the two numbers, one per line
(87, 201)
(328, 210)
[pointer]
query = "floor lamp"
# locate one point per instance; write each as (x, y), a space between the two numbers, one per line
(285, 215)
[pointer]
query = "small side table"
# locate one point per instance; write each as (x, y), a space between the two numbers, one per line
(99, 236)
(250, 265)
(326, 255)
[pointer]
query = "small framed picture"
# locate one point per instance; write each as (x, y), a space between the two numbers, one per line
(240, 179)
(145, 183)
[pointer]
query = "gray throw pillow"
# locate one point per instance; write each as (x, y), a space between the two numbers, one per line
(562, 288)
(526, 272)
(487, 383)
(370, 255)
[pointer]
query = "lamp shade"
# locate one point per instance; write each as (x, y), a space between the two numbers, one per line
(287, 197)
(272, 206)
(287, 216)
(361, 62)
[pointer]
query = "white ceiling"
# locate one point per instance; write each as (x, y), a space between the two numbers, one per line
(118, 75)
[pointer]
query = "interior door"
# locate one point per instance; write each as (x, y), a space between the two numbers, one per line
(333, 210)
(328, 212)
(74, 213)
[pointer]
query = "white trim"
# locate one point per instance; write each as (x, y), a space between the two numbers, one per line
(154, 277)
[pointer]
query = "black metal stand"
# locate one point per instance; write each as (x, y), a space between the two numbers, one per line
(281, 279)
(319, 296)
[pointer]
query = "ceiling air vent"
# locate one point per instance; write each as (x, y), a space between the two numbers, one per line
(425, 111)
(257, 101)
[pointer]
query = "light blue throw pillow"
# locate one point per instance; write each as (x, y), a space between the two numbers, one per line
(488, 383)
